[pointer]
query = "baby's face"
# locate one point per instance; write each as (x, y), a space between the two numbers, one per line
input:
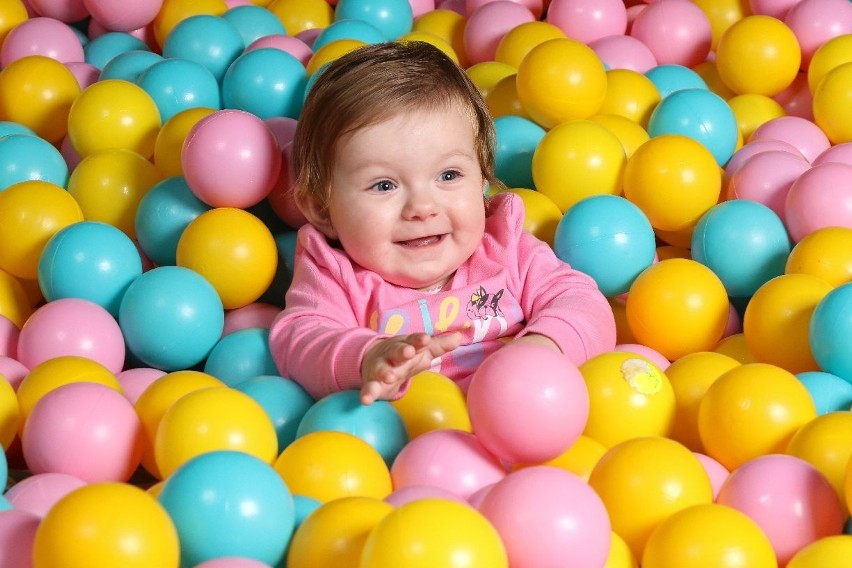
(407, 196)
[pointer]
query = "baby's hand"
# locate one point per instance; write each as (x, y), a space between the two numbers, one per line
(389, 362)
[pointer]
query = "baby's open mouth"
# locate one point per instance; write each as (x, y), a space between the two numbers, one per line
(421, 241)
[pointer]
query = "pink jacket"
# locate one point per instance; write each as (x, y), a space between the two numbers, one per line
(512, 285)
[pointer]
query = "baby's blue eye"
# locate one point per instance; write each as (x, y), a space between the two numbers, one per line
(383, 186)
(449, 175)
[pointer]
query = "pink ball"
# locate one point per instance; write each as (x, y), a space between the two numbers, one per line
(527, 403)
(547, 516)
(651, 355)
(676, 31)
(17, 534)
(134, 381)
(288, 44)
(257, 314)
(232, 562)
(735, 322)
(411, 493)
(309, 36)
(805, 135)
(123, 16)
(821, 197)
(13, 370)
(715, 471)
(624, 52)
(283, 128)
(68, 11)
(281, 198)
(72, 326)
(41, 36)
(69, 153)
(457, 6)
(85, 73)
(755, 147)
(792, 502)
(87, 430)
(796, 99)
(37, 493)
(448, 459)
(814, 22)
(9, 334)
(487, 25)
(534, 6)
(840, 153)
(766, 178)
(775, 8)
(588, 20)
(420, 7)
(231, 159)
(478, 496)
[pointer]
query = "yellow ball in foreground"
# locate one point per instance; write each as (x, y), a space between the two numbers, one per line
(823, 553)
(825, 253)
(433, 402)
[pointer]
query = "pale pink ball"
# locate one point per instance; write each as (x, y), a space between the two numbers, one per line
(283, 128)
(487, 25)
(13, 370)
(123, 16)
(841, 153)
(68, 11)
(17, 535)
(9, 333)
(756, 147)
(41, 36)
(797, 99)
(814, 22)
(232, 562)
(37, 493)
(257, 314)
(775, 8)
(134, 381)
(288, 44)
(766, 178)
(676, 31)
(715, 471)
(85, 73)
(411, 493)
(820, 197)
(805, 135)
(624, 52)
(588, 20)
(420, 7)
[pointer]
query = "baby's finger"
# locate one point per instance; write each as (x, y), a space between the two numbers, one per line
(370, 392)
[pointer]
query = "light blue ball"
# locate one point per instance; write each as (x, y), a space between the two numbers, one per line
(104, 48)
(24, 158)
(89, 260)
(129, 65)
(171, 318)
(830, 330)
(8, 127)
(229, 503)
(284, 401)
(266, 82)
(516, 140)
(671, 78)
(829, 392)
(360, 30)
(285, 243)
(4, 467)
(744, 243)
(379, 424)
(254, 22)
(393, 17)
(241, 355)
(607, 237)
(211, 41)
(699, 114)
(161, 217)
(177, 84)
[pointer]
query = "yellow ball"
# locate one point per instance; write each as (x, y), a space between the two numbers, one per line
(578, 159)
(825, 552)
(212, 419)
(234, 250)
(831, 103)
(674, 180)
(446, 24)
(430, 38)
(847, 482)
(520, 40)
(434, 532)
(109, 184)
(825, 253)
(104, 525)
(37, 91)
(301, 15)
(30, 213)
(710, 73)
(157, 398)
(776, 323)
(502, 98)
(432, 402)
(173, 12)
(758, 54)
(327, 465)
(630, 94)
(170, 139)
(690, 377)
(677, 306)
(580, 459)
(721, 14)
(751, 110)
(12, 13)
(752, 410)
(331, 51)
(826, 443)
(487, 74)
(10, 413)
(833, 53)
(629, 133)
(113, 114)
(14, 301)
(334, 534)
(709, 536)
(628, 397)
(620, 555)
(644, 481)
(560, 80)
(735, 346)
(541, 215)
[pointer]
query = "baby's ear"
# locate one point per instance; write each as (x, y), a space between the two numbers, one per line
(316, 214)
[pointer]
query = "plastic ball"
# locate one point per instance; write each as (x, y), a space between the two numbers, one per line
(449, 459)
(630, 94)
(629, 396)
(83, 429)
(519, 40)
(671, 78)
(586, 21)
(516, 141)
(623, 53)
(751, 110)
(545, 516)
(788, 498)
(541, 215)
(253, 22)
(177, 84)
(135, 380)
(799, 132)
(822, 552)
(10, 413)
(815, 22)
(579, 459)
(346, 522)
(15, 304)
(284, 401)
(750, 411)
(173, 12)
(677, 306)
(715, 471)
(211, 41)
(129, 65)
(17, 533)
(248, 512)
(44, 36)
(240, 356)
(357, 29)
(446, 24)
(230, 159)
(832, 94)
(675, 31)
(831, 54)
(256, 314)
(39, 492)
(432, 402)
(639, 494)
(302, 15)
(766, 178)
(101, 49)
(606, 227)
(12, 14)
(819, 198)
(232, 562)
(328, 465)
(125, 18)
(708, 535)
(674, 180)
(26, 157)
(830, 393)
(631, 134)
(578, 159)
(212, 419)
(392, 17)
(89, 260)
(758, 54)
(171, 317)
(92, 526)
(831, 318)
(488, 24)
(561, 80)
(750, 150)
(838, 153)
(233, 250)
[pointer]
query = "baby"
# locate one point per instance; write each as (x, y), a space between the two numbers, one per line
(405, 264)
